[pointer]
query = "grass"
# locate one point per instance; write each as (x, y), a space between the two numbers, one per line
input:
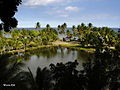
(78, 47)
(27, 49)
(58, 43)
(73, 45)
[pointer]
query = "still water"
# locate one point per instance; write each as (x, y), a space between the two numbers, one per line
(45, 56)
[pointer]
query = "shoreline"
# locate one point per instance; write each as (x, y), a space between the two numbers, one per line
(73, 45)
(56, 43)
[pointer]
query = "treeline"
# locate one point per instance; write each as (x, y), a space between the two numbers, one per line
(22, 39)
(88, 35)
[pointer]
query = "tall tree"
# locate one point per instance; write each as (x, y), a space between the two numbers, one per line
(82, 24)
(90, 25)
(73, 28)
(78, 28)
(8, 8)
(37, 25)
(62, 28)
(68, 33)
(59, 27)
(65, 25)
(47, 26)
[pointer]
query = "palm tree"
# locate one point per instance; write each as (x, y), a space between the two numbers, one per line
(24, 33)
(18, 44)
(15, 34)
(68, 33)
(10, 44)
(78, 28)
(59, 27)
(37, 25)
(74, 29)
(65, 25)
(82, 24)
(90, 25)
(48, 27)
(25, 42)
(63, 29)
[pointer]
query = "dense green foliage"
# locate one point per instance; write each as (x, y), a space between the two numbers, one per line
(92, 36)
(8, 8)
(21, 39)
(99, 73)
(88, 36)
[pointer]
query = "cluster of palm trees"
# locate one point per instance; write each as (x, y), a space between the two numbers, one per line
(62, 28)
(87, 35)
(91, 36)
(21, 39)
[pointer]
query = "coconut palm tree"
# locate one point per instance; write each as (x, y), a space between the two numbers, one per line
(47, 26)
(90, 25)
(37, 25)
(78, 29)
(65, 25)
(10, 44)
(62, 29)
(82, 24)
(59, 27)
(74, 29)
(68, 33)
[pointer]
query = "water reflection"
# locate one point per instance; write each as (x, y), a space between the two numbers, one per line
(99, 73)
(45, 56)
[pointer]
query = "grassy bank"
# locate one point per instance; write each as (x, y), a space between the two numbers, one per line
(27, 49)
(77, 47)
(73, 45)
(56, 43)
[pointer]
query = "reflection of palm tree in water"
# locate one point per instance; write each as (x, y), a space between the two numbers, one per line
(62, 52)
(45, 52)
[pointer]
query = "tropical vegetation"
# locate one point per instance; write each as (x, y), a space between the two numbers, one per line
(88, 36)
(22, 39)
(92, 36)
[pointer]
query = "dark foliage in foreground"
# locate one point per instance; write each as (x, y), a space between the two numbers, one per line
(8, 9)
(101, 73)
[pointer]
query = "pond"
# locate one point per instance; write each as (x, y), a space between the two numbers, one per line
(45, 56)
(20, 69)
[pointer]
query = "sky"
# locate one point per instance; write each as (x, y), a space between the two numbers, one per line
(55, 12)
